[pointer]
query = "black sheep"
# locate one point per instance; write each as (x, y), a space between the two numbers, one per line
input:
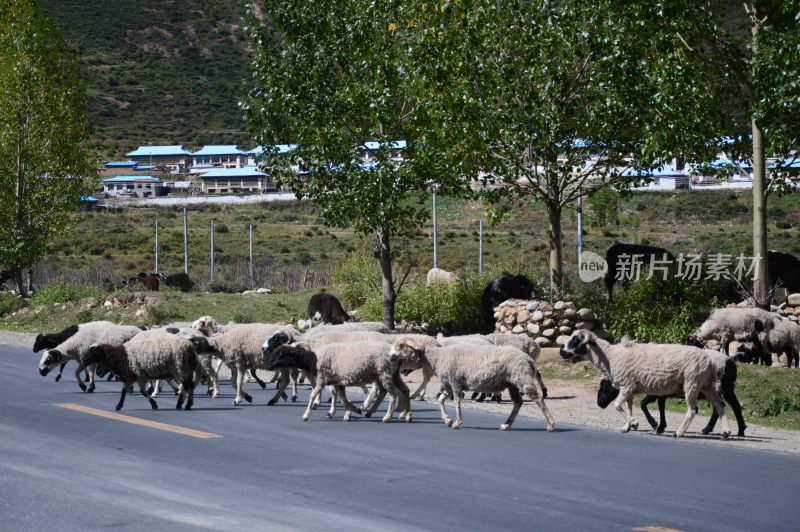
(326, 308)
(784, 267)
(505, 287)
(646, 254)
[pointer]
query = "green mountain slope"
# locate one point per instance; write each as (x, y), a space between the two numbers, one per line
(160, 71)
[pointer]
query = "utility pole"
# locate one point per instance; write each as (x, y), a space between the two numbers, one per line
(212, 250)
(435, 236)
(185, 242)
(156, 246)
(251, 256)
(580, 226)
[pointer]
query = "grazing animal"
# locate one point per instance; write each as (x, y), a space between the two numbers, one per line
(784, 267)
(49, 341)
(607, 393)
(326, 308)
(505, 287)
(152, 355)
(646, 254)
(482, 368)
(77, 345)
(657, 369)
(439, 276)
(737, 323)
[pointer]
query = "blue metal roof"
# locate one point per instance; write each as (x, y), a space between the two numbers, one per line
(89, 199)
(143, 168)
(786, 164)
(278, 148)
(658, 172)
(726, 163)
(197, 166)
(121, 164)
(227, 149)
(247, 171)
(156, 151)
(373, 145)
(131, 178)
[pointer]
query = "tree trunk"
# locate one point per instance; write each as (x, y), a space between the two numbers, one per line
(556, 250)
(19, 281)
(388, 293)
(760, 272)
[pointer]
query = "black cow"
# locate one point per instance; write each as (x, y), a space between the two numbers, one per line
(645, 254)
(326, 308)
(784, 267)
(506, 286)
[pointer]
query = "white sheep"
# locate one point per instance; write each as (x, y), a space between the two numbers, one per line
(653, 369)
(151, 355)
(239, 347)
(524, 343)
(206, 367)
(350, 326)
(482, 368)
(439, 276)
(77, 345)
(740, 324)
(785, 338)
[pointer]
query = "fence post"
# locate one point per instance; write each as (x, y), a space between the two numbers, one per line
(435, 236)
(251, 257)
(185, 243)
(212, 250)
(580, 226)
(480, 246)
(156, 246)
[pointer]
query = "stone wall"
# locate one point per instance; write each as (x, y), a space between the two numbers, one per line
(549, 324)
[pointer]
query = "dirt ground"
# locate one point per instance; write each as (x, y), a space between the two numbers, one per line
(573, 402)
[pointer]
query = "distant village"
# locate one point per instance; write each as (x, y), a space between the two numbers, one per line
(153, 171)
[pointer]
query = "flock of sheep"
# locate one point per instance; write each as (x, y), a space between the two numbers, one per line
(366, 354)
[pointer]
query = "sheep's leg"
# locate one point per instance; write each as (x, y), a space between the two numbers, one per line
(620, 400)
(419, 393)
(188, 388)
(332, 409)
(282, 384)
(122, 397)
(79, 377)
(275, 377)
(142, 383)
(61, 371)
(237, 384)
(691, 404)
(259, 381)
(405, 397)
(295, 374)
(179, 404)
(719, 407)
(445, 417)
(370, 397)
(213, 378)
(629, 405)
(380, 394)
(662, 414)
(457, 397)
(175, 389)
(733, 402)
(541, 384)
(349, 406)
(530, 391)
(517, 399)
(314, 394)
(313, 382)
(643, 405)
(393, 393)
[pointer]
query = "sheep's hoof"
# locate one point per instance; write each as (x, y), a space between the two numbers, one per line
(357, 410)
(248, 398)
(305, 418)
(456, 425)
(329, 415)
(675, 435)
(346, 417)
(188, 406)
(544, 393)
(90, 389)
(551, 428)
(705, 431)
(262, 384)
(725, 435)
(58, 378)
(635, 425)
(741, 434)
(209, 392)
(236, 402)
(154, 405)
(271, 402)
(368, 414)
(448, 422)
(294, 399)
(661, 429)
(284, 396)
(82, 386)
(118, 408)
(625, 429)
(407, 419)
(505, 426)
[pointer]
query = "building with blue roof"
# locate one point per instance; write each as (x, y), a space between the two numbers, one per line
(222, 156)
(174, 159)
(122, 164)
(141, 186)
(236, 180)
(371, 147)
(254, 155)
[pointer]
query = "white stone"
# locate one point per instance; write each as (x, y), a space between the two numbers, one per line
(523, 315)
(585, 314)
(497, 314)
(563, 339)
(570, 313)
(565, 330)
(587, 325)
(570, 305)
(549, 333)
(559, 305)
(538, 315)
(534, 328)
(518, 329)
(108, 304)
(503, 329)
(533, 305)
(548, 323)
(793, 300)
(543, 342)
(140, 313)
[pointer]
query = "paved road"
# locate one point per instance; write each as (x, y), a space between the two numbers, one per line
(63, 469)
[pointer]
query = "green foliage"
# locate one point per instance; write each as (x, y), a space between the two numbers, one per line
(9, 303)
(62, 292)
(454, 308)
(604, 205)
(85, 316)
(43, 156)
(359, 277)
(161, 314)
(657, 310)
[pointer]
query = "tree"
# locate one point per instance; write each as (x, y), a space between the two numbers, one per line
(728, 73)
(331, 76)
(542, 101)
(43, 161)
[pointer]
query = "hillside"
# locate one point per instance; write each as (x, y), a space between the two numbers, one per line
(159, 71)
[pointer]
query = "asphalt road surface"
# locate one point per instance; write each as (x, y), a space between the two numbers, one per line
(71, 467)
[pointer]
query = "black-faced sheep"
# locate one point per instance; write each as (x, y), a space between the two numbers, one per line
(75, 347)
(488, 369)
(645, 254)
(740, 324)
(607, 393)
(153, 355)
(49, 341)
(657, 369)
(505, 287)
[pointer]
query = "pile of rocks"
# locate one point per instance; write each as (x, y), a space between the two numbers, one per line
(549, 324)
(792, 307)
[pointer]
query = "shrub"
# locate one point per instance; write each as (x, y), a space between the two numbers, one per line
(61, 292)
(181, 281)
(226, 287)
(359, 275)
(159, 315)
(84, 316)
(9, 303)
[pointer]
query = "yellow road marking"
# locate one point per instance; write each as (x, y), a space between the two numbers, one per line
(138, 421)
